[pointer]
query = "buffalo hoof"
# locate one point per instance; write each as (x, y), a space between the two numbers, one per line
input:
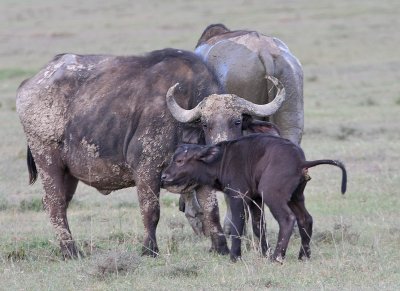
(219, 244)
(220, 251)
(150, 252)
(235, 258)
(304, 254)
(267, 252)
(277, 259)
(182, 204)
(70, 251)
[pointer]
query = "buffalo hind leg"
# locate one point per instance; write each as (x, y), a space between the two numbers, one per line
(304, 220)
(148, 193)
(59, 187)
(211, 221)
(277, 191)
(286, 218)
(258, 224)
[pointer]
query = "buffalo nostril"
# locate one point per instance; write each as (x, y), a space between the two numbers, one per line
(163, 177)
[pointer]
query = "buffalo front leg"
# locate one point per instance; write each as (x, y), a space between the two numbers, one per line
(228, 218)
(189, 204)
(207, 199)
(238, 221)
(148, 194)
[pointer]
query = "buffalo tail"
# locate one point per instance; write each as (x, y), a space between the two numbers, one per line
(310, 164)
(31, 167)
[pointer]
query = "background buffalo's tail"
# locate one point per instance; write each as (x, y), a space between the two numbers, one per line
(31, 167)
(310, 164)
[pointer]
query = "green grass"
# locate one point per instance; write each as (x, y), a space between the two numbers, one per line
(12, 73)
(352, 72)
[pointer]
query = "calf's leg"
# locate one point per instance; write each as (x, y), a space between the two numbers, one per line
(304, 220)
(238, 221)
(277, 190)
(286, 219)
(258, 223)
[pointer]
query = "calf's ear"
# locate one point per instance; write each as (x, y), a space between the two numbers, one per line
(259, 126)
(209, 154)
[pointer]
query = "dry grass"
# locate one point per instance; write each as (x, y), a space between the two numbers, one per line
(351, 64)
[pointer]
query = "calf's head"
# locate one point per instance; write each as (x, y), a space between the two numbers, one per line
(191, 165)
(225, 116)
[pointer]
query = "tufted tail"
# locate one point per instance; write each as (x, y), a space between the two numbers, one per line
(330, 162)
(31, 167)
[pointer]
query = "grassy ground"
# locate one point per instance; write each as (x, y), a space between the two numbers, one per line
(349, 50)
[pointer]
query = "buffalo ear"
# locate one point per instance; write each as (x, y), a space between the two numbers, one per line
(259, 126)
(209, 154)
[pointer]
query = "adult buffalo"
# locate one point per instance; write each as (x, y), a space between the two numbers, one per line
(242, 59)
(103, 120)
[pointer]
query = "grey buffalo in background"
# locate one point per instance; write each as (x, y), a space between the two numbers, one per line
(242, 59)
(104, 120)
(254, 169)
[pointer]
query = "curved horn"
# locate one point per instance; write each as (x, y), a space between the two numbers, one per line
(269, 108)
(180, 114)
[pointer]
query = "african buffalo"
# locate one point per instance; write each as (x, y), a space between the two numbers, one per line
(241, 59)
(103, 120)
(252, 169)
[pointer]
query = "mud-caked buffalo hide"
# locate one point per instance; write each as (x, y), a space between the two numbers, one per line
(103, 120)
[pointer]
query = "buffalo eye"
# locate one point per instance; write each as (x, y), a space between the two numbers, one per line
(238, 122)
(179, 162)
(204, 125)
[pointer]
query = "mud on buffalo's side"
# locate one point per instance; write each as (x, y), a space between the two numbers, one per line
(103, 120)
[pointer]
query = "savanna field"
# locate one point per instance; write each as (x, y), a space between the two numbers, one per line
(351, 59)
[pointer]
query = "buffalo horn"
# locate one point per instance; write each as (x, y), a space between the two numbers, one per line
(269, 108)
(179, 113)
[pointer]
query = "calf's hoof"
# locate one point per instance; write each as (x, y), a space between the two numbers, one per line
(277, 259)
(235, 258)
(304, 254)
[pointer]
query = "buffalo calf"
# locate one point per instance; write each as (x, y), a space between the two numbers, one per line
(256, 168)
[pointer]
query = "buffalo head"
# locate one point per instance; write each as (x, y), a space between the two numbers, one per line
(225, 116)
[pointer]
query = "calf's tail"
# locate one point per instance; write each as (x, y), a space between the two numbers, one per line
(310, 164)
(31, 167)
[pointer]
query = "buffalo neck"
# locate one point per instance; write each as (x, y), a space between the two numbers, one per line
(229, 169)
